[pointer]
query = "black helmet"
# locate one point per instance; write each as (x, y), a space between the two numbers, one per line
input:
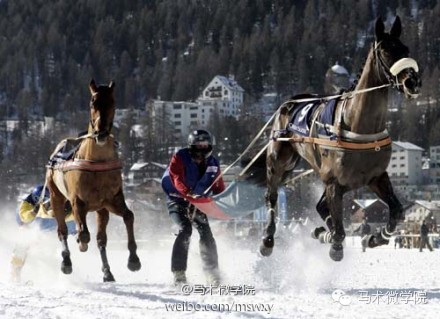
(200, 143)
(37, 191)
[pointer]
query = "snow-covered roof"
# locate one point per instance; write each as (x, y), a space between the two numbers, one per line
(164, 166)
(364, 203)
(407, 146)
(230, 83)
(433, 205)
(138, 166)
(339, 69)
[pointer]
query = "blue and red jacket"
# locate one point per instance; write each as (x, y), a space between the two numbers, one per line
(183, 175)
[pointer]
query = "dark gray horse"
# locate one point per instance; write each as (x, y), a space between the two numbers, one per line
(350, 151)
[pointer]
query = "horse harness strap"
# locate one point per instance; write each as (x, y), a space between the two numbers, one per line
(338, 144)
(90, 166)
(355, 136)
(341, 139)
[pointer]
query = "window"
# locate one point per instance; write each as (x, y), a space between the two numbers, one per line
(402, 165)
(193, 115)
(177, 123)
(394, 165)
(393, 158)
(177, 115)
(402, 157)
(177, 106)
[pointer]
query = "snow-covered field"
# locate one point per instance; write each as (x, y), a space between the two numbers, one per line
(298, 282)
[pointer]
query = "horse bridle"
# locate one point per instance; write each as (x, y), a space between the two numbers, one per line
(391, 72)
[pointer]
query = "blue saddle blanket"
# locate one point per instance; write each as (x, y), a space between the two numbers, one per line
(303, 113)
(64, 152)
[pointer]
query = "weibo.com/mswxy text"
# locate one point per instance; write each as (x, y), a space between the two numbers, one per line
(219, 307)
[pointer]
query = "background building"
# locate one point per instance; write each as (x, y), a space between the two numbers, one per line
(405, 167)
(222, 96)
(434, 165)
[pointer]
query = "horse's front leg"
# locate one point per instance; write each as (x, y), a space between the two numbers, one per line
(57, 201)
(102, 218)
(66, 264)
(334, 194)
(383, 188)
(268, 241)
(119, 208)
(80, 210)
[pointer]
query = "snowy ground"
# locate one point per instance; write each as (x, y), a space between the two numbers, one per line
(298, 282)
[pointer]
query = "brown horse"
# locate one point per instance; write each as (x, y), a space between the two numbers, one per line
(92, 182)
(351, 151)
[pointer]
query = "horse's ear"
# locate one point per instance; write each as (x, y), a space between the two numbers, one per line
(92, 87)
(111, 85)
(396, 29)
(380, 29)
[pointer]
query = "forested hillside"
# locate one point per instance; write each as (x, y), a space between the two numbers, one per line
(171, 49)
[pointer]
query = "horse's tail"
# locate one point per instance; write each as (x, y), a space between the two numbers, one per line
(256, 173)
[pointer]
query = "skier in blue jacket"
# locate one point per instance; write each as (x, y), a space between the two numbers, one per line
(191, 172)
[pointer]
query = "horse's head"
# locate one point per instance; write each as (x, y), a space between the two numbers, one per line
(393, 61)
(102, 111)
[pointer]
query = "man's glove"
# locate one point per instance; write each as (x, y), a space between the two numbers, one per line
(192, 195)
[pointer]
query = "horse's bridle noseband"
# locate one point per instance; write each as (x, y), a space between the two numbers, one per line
(391, 72)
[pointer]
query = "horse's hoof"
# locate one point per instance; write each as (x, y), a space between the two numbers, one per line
(66, 268)
(315, 233)
(337, 252)
(66, 264)
(265, 251)
(108, 276)
(83, 247)
(376, 240)
(134, 265)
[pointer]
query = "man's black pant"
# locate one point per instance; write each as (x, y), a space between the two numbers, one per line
(179, 213)
(424, 240)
